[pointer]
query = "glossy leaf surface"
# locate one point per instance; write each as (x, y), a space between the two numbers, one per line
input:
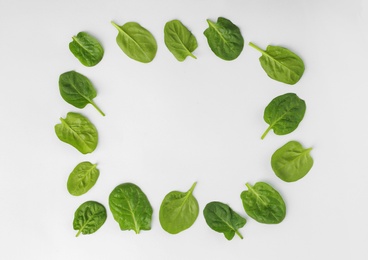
(221, 218)
(292, 161)
(77, 131)
(178, 211)
(131, 208)
(89, 217)
(87, 49)
(82, 178)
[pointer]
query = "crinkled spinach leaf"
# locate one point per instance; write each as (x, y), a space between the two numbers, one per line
(82, 178)
(221, 218)
(89, 217)
(131, 208)
(87, 49)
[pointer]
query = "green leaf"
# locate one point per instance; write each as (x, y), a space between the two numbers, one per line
(281, 64)
(179, 40)
(263, 203)
(77, 131)
(89, 217)
(77, 90)
(221, 218)
(178, 211)
(292, 161)
(224, 38)
(283, 114)
(136, 42)
(82, 178)
(87, 49)
(130, 208)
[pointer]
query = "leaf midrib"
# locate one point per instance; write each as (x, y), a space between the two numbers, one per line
(63, 121)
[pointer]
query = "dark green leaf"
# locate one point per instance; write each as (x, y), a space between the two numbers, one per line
(87, 49)
(178, 211)
(136, 42)
(281, 64)
(224, 38)
(77, 90)
(284, 113)
(221, 218)
(179, 40)
(130, 208)
(263, 203)
(291, 162)
(82, 178)
(89, 217)
(77, 131)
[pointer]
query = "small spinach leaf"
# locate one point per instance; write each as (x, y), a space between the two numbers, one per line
(263, 203)
(224, 38)
(136, 42)
(87, 49)
(130, 207)
(77, 131)
(221, 218)
(178, 211)
(77, 90)
(292, 161)
(281, 64)
(89, 217)
(179, 40)
(82, 178)
(284, 113)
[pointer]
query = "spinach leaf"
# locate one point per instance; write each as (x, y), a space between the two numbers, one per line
(292, 161)
(179, 40)
(224, 38)
(130, 207)
(87, 49)
(82, 178)
(221, 218)
(284, 113)
(89, 217)
(281, 64)
(263, 203)
(77, 131)
(136, 42)
(77, 90)
(178, 211)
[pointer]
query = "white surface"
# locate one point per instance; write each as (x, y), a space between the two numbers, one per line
(169, 124)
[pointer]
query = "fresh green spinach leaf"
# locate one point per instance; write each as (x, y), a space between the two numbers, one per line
(77, 131)
(87, 49)
(89, 217)
(178, 211)
(77, 90)
(263, 203)
(136, 42)
(284, 113)
(221, 218)
(224, 38)
(130, 207)
(281, 64)
(179, 40)
(82, 178)
(292, 161)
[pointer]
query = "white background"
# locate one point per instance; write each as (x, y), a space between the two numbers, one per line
(169, 124)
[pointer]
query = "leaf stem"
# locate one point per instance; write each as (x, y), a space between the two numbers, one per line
(192, 188)
(238, 233)
(98, 109)
(80, 231)
(256, 47)
(266, 132)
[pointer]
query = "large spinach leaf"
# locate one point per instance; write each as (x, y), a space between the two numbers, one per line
(77, 90)
(82, 178)
(178, 211)
(179, 40)
(131, 208)
(77, 131)
(281, 64)
(284, 113)
(224, 38)
(292, 161)
(221, 218)
(263, 203)
(87, 49)
(136, 42)
(89, 217)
